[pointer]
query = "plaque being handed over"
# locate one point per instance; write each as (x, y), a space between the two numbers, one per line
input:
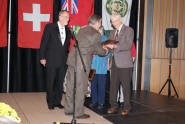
(110, 42)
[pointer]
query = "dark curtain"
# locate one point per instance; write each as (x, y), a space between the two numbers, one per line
(98, 7)
(3, 62)
(134, 17)
(3, 68)
(26, 73)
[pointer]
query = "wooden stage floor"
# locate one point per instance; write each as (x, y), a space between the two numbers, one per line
(147, 108)
(32, 109)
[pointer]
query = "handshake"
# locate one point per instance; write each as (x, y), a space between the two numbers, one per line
(111, 44)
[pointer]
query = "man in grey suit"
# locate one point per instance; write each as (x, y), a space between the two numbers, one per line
(122, 64)
(90, 44)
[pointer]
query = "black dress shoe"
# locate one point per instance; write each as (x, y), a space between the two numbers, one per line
(50, 107)
(100, 107)
(84, 116)
(93, 105)
(59, 106)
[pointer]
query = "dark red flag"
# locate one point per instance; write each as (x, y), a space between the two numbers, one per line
(3, 23)
(79, 11)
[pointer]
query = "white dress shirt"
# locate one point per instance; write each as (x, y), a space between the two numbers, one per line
(62, 33)
(119, 29)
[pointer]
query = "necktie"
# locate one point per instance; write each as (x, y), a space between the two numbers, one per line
(116, 36)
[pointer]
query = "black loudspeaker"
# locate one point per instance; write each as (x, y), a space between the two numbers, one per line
(171, 38)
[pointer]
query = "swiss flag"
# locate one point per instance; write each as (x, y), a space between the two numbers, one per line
(33, 15)
(3, 23)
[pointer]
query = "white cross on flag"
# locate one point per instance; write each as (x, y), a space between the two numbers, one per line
(33, 15)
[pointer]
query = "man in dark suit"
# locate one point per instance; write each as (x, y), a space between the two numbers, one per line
(54, 51)
(122, 64)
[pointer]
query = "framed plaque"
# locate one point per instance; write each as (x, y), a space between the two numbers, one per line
(107, 42)
(91, 74)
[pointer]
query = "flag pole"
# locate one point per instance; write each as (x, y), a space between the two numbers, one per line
(9, 36)
(137, 44)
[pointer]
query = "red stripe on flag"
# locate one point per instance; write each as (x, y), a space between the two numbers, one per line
(3, 23)
(85, 9)
(33, 15)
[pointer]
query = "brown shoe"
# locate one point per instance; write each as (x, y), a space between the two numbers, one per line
(124, 112)
(84, 116)
(111, 111)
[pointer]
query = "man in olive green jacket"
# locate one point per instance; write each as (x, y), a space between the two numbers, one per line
(89, 40)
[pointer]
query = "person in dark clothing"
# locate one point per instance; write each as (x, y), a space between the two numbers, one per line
(54, 51)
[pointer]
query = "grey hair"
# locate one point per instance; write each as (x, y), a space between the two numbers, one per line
(101, 30)
(93, 19)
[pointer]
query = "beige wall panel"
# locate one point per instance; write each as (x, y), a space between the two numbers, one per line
(175, 25)
(175, 75)
(144, 44)
(155, 18)
(183, 31)
(182, 80)
(163, 27)
(167, 24)
(155, 72)
(164, 72)
(179, 25)
(160, 30)
(160, 73)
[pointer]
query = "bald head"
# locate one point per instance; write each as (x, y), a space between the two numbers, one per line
(116, 20)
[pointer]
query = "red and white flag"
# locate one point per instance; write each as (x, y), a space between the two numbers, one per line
(3, 23)
(79, 11)
(33, 15)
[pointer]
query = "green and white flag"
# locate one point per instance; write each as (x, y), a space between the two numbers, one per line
(119, 6)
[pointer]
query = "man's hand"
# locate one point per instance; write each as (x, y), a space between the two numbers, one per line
(107, 51)
(133, 58)
(43, 62)
(111, 46)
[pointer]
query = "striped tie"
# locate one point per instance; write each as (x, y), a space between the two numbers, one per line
(116, 36)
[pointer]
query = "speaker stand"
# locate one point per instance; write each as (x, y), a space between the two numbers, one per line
(169, 80)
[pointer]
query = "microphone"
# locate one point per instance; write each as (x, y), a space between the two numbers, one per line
(72, 32)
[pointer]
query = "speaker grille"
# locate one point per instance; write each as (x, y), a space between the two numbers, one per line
(171, 38)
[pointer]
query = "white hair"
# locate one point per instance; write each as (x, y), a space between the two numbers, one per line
(115, 17)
